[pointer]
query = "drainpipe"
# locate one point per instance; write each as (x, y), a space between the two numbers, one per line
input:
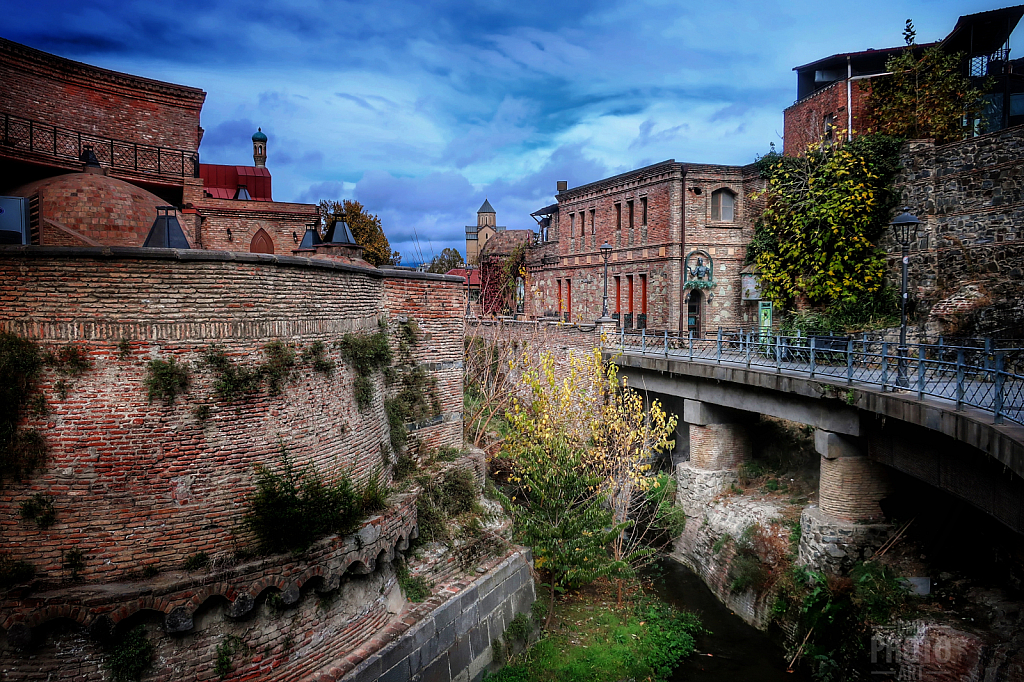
(849, 99)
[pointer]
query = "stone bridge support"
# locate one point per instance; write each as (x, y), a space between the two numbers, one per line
(719, 443)
(844, 528)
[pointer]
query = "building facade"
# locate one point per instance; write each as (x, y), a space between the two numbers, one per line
(478, 235)
(677, 234)
(832, 92)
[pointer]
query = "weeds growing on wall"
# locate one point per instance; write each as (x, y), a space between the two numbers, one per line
(70, 361)
(196, 562)
(316, 356)
(415, 588)
(130, 658)
(442, 499)
(39, 508)
(20, 364)
(375, 493)
(166, 379)
(227, 648)
(14, 572)
(367, 353)
(233, 380)
(74, 563)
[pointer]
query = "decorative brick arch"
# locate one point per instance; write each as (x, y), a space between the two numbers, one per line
(261, 242)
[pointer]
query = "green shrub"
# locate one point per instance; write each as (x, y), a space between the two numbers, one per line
(166, 379)
(720, 543)
(228, 647)
(277, 368)
(291, 510)
(130, 658)
(375, 493)
(404, 467)
(362, 389)
(233, 380)
(39, 508)
(443, 498)
(197, 561)
(519, 629)
(13, 572)
(124, 349)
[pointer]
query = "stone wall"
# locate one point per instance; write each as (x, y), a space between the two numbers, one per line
(451, 641)
(967, 264)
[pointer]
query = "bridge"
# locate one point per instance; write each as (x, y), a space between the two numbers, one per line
(951, 416)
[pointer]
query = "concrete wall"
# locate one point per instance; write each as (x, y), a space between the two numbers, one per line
(452, 642)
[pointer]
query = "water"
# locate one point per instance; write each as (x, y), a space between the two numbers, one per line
(738, 652)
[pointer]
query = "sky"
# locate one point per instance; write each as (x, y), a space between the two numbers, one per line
(421, 110)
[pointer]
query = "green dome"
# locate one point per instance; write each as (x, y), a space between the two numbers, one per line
(258, 136)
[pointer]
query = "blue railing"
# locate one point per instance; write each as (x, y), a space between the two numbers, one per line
(980, 375)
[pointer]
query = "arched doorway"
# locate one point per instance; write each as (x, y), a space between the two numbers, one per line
(261, 242)
(694, 307)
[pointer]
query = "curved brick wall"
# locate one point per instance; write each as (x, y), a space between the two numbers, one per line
(138, 483)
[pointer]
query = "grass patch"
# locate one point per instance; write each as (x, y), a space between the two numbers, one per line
(602, 644)
(196, 562)
(166, 379)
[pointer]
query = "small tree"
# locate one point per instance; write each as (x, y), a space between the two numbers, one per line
(448, 259)
(927, 95)
(366, 230)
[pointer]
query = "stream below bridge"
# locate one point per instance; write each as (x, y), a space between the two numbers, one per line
(733, 651)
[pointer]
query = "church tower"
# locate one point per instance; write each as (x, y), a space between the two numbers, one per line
(486, 215)
(259, 148)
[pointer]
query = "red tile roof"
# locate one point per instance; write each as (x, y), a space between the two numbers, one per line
(221, 182)
(474, 275)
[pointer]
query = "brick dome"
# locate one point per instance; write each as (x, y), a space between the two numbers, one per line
(89, 209)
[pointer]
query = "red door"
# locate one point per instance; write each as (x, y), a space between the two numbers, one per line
(261, 243)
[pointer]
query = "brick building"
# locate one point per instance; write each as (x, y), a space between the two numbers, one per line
(144, 137)
(478, 235)
(678, 234)
(831, 93)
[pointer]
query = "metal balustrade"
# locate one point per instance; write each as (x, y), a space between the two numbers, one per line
(42, 138)
(980, 375)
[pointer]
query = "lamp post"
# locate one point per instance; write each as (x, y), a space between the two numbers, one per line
(904, 229)
(469, 289)
(606, 252)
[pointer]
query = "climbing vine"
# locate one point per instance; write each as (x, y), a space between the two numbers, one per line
(824, 215)
(498, 276)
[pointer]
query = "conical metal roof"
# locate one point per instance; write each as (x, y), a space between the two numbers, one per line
(166, 231)
(486, 208)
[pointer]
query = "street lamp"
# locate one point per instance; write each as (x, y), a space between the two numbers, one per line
(469, 289)
(904, 229)
(606, 252)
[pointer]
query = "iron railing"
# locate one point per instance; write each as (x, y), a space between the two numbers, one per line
(43, 138)
(984, 376)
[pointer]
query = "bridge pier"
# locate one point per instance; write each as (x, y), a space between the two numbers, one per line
(847, 526)
(719, 443)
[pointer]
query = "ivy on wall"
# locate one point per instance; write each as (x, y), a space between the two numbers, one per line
(824, 215)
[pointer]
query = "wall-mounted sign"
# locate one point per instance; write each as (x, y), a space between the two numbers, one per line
(751, 284)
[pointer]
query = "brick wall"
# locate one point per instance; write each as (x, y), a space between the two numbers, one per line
(92, 100)
(719, 446)
(805, 120)
(851, 488)
(284, 222)
(650, 255)
(139, 483)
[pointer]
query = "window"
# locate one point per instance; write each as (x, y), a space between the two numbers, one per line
(618, 294)
(618, 216)
(643, 208)
(723, 203)
(559, 297)
(829, 126)
(629, 205)
(643, 295)
(593, 220)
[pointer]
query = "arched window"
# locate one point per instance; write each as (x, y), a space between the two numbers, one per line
(723, 205)
(261, 242)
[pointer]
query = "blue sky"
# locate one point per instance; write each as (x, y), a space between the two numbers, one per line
(420, 110)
